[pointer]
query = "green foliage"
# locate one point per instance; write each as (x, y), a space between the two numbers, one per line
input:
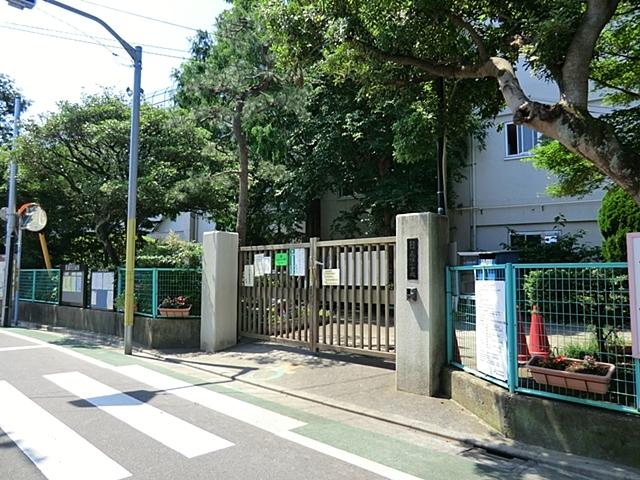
(575, 176)
(169, 252)
(579, 350)
(75, 164)
(619, 214)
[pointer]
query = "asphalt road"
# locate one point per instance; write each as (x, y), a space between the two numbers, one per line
(69, 413)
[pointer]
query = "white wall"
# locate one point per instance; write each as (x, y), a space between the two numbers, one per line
(503, 193)
(187, 226)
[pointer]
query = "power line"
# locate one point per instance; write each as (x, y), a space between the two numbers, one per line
(79, 40)
(140, 16)
(65, 32)
(84, 34)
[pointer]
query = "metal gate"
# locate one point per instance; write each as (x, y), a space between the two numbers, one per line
(336, 295)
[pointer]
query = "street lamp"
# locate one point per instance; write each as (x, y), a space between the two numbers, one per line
(136, 56)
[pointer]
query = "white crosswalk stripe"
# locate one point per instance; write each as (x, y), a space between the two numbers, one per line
(58, 451)
(177, 434)
(232, 407)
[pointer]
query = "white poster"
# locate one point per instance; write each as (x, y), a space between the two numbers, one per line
(330, 277)
(297, 262)
(258, 264)
(491, 328)
(248, 275)
(266, 265)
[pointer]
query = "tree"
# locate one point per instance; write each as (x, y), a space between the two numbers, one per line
(618, 215)
(76, 165)
(229, 82)
(472, 42)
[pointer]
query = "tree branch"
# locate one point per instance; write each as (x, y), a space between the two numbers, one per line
(477, 70)
(460, 22)
(575, 71)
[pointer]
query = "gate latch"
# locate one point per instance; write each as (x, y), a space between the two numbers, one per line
(412, 294)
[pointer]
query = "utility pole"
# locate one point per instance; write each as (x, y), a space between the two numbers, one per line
(11, 219)
(136, 56)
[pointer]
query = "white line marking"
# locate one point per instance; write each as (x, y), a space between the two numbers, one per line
(58, 451)
(228, 405)
(67, 351)
(171, 431)
(256, 416)
(245, 412)
(353, 459)
(23, 347)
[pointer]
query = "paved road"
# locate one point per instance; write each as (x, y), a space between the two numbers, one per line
(87, 413)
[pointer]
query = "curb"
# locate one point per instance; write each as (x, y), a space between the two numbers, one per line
(511, 449)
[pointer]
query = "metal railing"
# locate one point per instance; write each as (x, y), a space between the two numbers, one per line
(550, 310)
(153, 285)
(323, 294)
(42, 286)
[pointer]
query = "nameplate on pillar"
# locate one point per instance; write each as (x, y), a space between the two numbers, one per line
(412, 259)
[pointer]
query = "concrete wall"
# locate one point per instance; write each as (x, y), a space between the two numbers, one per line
(147, 332)
(563, 426)
(420, 323)
(219, 308)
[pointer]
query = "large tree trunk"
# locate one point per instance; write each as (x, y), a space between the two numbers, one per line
(243, 157)
(103, 231)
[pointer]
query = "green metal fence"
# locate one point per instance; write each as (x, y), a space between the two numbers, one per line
(549, 310)
(152, 285)
(39, 286)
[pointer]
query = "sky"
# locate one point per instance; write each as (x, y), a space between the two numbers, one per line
(47, 68)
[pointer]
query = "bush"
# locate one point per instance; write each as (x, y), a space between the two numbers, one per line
(170, 252)
(618, 215)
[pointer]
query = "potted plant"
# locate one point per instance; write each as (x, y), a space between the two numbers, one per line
(178, 306)
(586, 375)
(119, 302)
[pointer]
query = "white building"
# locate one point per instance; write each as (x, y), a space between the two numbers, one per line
(188, 226)
(503, 197)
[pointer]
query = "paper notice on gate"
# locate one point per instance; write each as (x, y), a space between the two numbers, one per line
(491, 329)
(330, 277)
(266, 265)
(297, 262)
(258, 264)
(248, 275)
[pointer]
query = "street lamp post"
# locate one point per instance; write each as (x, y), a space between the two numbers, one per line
(11, 221)
(136, 56)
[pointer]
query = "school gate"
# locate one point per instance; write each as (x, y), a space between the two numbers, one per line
(324, 295)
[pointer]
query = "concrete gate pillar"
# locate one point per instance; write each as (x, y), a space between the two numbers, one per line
(422, 240)
(219, 314)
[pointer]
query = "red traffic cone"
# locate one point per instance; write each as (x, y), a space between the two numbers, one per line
(523, 348)
(538, 341)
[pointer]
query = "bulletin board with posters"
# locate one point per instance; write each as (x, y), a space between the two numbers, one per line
(73, 285)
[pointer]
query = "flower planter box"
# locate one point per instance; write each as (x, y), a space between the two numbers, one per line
(585, 382)
(174, 312)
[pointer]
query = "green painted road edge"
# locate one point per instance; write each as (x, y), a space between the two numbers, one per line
(406, 457)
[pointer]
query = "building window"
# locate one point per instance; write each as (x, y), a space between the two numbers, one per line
(519, 140)
(524, 239)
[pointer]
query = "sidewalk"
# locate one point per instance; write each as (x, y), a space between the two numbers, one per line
(366, 386)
